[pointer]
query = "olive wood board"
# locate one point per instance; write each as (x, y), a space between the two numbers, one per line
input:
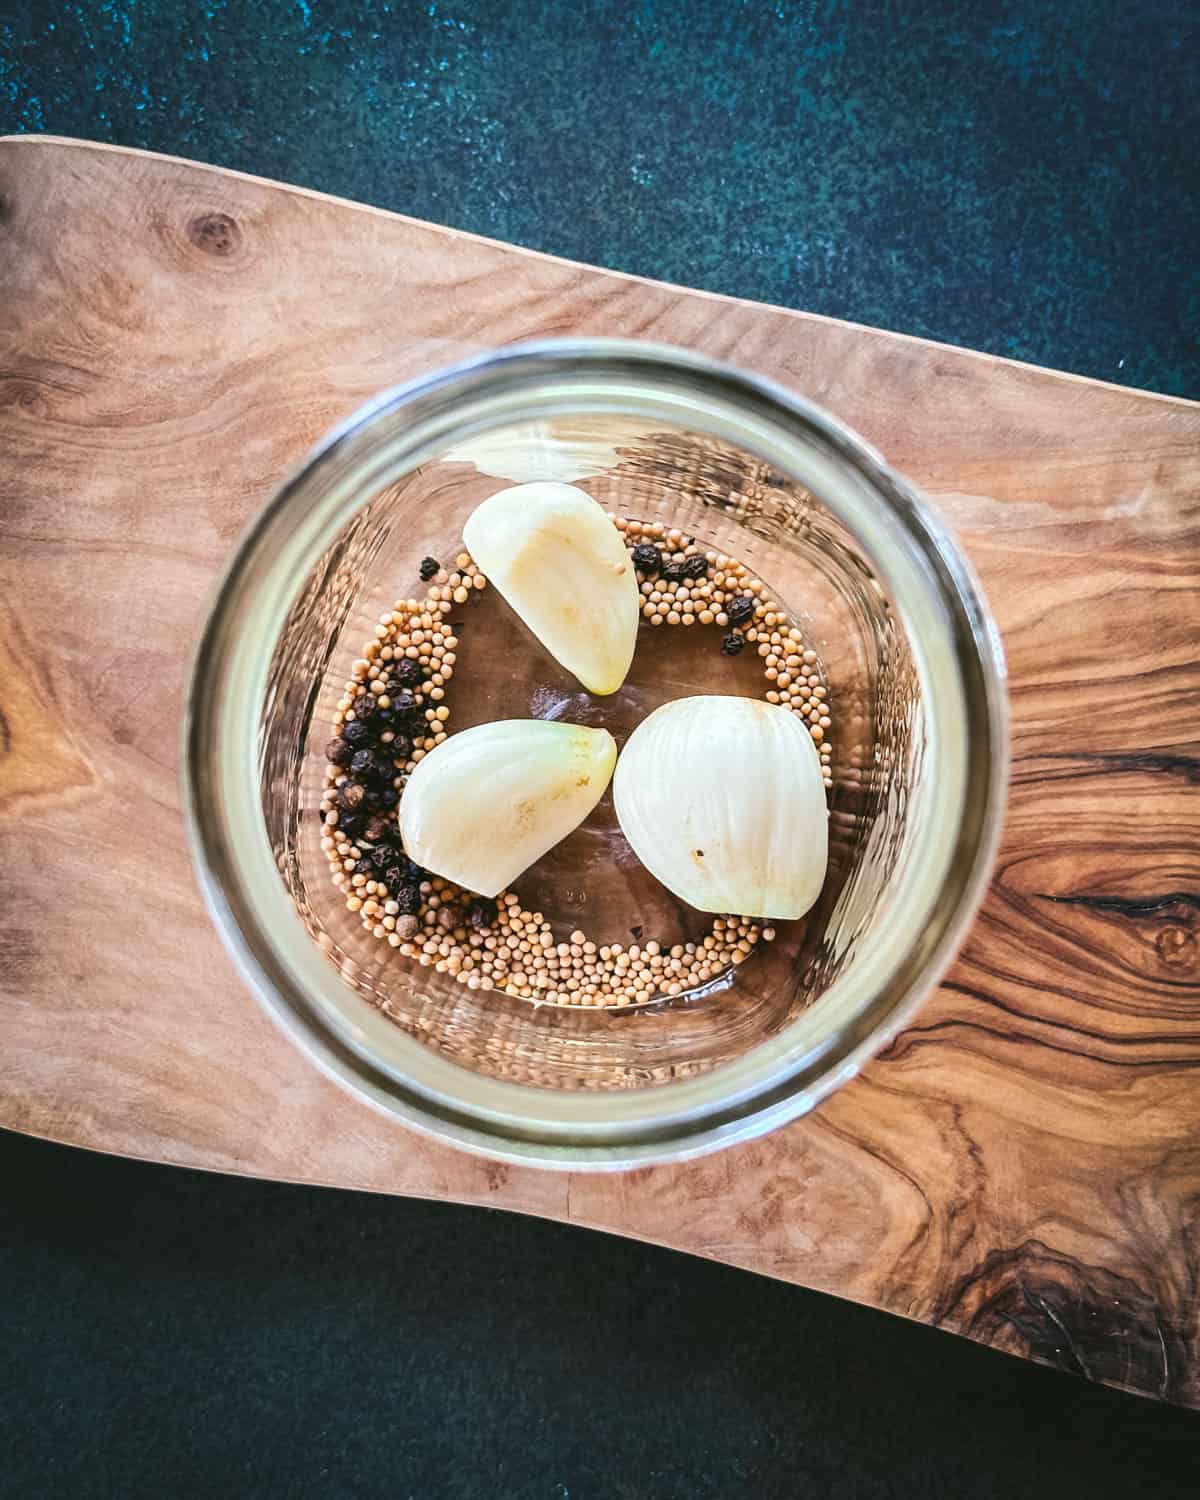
(1022, 1164)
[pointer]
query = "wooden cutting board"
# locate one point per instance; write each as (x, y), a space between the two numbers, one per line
(1022, 1165)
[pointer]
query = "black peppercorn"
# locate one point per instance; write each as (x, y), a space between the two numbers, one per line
(350, 796)
(407, 897)
(338, 751)
(388, 797)
(405, 673)
(647, 559)
(482, 912)
(734, 642)
(401, 747)
(696, 566)
(364, 763)
(449, 917)
(740, 609)
(350, 824)
(377, 829)
(411, 724)
(356, 733)
(429, 566)
(366, 706)
(383, 856)
(675, 572)
(403, 701)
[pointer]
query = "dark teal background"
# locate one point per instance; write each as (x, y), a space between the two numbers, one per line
(1016, 178)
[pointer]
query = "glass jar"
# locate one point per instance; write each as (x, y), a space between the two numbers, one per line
(916, 691)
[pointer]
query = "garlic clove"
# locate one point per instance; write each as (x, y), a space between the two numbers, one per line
(489, 801)
(561, 565)
(722, 800)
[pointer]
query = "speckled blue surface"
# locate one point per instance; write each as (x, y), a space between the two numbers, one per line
(1015, 178)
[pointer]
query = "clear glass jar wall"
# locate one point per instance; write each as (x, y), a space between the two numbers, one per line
(915, 683)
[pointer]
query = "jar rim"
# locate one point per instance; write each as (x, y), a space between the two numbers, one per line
(959, 662)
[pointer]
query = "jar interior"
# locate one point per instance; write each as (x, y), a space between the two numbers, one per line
(732, 503)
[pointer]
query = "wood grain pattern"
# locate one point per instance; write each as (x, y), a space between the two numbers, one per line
(1022, 1166)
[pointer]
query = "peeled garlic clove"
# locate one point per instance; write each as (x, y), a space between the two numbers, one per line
(488, 802)
(561, 565)
(723, 802)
